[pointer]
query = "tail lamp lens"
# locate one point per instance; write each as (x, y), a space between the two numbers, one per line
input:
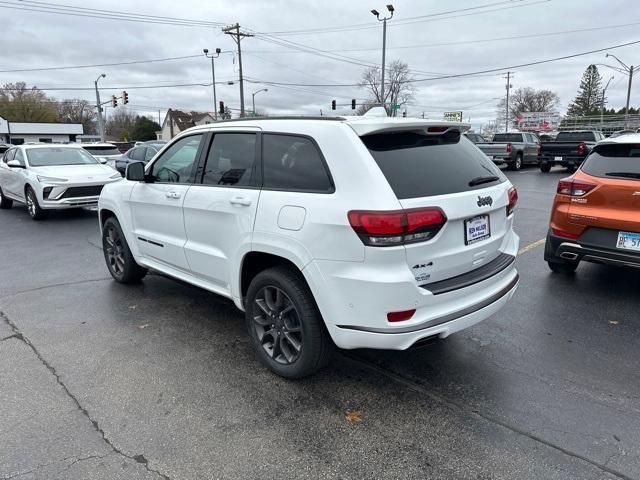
(508, 148)
(400, 316)
(568, 186)
(581, 149)
(397, 227)
(513, 200)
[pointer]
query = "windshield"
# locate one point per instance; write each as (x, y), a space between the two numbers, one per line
(106, 150)
(507, 137)
(622, 160)
(47, 157)
(419, 165)
(576, 137)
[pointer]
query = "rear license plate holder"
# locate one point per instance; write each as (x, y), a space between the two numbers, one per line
(628, 241)
(476, 229)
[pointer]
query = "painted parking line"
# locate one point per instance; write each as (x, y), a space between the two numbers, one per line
(531, 246)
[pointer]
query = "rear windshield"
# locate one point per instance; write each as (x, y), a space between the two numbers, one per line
(614, 161)
(102, 150)
(419, 165)
(575, 137)
(507, 137)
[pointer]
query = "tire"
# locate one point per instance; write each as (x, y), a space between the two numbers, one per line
(545, 167)
(517, 163)
(5, 203)
(120, 262)
(33, 207)
(563, 266)
(293, 345)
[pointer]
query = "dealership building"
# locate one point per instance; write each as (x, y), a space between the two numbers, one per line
(17, 133)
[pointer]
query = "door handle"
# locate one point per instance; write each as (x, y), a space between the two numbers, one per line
(172, 194)
(245, 202)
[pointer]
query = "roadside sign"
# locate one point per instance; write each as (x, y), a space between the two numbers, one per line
(453, 116)
(395, 106)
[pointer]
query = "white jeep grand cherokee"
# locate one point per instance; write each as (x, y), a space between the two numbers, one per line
(359, 232)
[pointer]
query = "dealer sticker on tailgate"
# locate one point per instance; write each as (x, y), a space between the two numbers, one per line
(476, 229)
(629, 241)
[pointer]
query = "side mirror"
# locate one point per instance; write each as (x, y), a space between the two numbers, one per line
(102, 160)
(135, 172)
(14, 164)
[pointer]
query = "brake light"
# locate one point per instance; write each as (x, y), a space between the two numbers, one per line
(437, 129)
(563, 234)
(568, 186)
(400, 316)
(397, 227)
(508, 148)
(539, 148)
(581, 149)
(513, 200)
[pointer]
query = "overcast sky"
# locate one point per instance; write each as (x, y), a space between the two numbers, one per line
(36, 39)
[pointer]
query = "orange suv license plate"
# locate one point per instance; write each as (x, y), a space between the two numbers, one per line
(629, 241)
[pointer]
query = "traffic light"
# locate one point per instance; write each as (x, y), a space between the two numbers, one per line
(125, 97)
(333, 104)
(221, 112)
(114, 101)
(353, 104)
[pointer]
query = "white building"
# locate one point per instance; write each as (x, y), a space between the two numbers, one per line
(175, 121)
(18, 133)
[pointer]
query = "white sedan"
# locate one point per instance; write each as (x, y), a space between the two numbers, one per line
(49, 177)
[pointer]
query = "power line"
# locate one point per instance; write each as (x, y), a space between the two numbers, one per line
(71, 67)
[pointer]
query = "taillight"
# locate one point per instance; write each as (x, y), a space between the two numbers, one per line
(581, 149)
(397, 227)
(508, 148)
(513, 200)
(400, 316)
(563, 234)
(539, 148)
(569, 186)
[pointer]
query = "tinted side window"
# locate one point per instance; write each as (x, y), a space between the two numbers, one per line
(176, 164)
(230, 160)
(137, 154)
(19, 157)
(149, 153)
(419, 165)
(293, 163)
(9, 155)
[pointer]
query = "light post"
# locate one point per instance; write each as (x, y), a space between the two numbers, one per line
(253, 99)
(604, 92)
(213, 77)
(627, 70)
(99, 107)
(384, 44)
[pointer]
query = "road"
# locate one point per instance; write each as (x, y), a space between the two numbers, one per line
(157, 381)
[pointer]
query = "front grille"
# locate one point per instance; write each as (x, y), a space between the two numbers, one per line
(90, 191)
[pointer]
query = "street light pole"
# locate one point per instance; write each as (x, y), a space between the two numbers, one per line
(384, 46)
(213, 77)
(253, 99)
(604, 92)
(99, 107)
(629, 71)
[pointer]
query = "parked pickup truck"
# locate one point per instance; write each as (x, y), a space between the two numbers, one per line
(569, 149)
(514, 149)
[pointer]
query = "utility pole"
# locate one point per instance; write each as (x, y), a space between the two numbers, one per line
(508, 87)
(384, 46)
(237, 35)
(99, 107)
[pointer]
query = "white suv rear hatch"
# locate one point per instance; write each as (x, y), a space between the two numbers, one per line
(435, 167)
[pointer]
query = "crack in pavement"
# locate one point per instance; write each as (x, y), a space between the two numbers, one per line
(420, 389)
(53, 285)
(137, 458)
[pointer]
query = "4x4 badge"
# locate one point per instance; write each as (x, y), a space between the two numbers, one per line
(483, 201)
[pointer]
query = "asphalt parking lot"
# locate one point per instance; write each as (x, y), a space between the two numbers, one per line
(100, 380)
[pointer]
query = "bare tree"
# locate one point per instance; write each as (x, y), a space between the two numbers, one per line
(76, 110)
(398, 87)
(121, 124)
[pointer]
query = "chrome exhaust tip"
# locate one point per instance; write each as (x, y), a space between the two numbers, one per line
(569, 255)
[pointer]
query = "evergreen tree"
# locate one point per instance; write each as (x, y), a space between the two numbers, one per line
(589, 98)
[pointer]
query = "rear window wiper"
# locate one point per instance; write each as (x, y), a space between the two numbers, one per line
(481, 180)
(623, 174)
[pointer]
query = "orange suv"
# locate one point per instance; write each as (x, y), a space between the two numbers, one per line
(596, 212)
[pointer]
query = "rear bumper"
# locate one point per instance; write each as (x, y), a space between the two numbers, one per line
(354, 299)
(559, 249)
(565, 162)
